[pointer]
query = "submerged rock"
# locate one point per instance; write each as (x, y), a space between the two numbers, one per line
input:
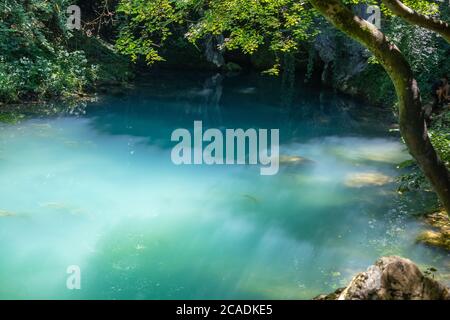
(391, 278)
(62, 207)
(294, 160)
(4, 213)
(251, 198)
(364, 179)
(249, 90)
(439, 236)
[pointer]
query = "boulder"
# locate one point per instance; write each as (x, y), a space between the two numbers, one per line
(391, 278)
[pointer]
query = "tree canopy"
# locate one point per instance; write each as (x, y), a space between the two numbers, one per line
(280, 25)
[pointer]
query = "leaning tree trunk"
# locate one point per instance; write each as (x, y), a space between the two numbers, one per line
(412, 123)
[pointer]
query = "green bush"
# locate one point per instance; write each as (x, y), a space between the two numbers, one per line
(35, 60)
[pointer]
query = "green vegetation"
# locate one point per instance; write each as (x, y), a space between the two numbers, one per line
(245, 25)
(40, 58)
(35, 61)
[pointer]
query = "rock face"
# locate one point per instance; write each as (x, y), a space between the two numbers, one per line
(391, 278)
(338, 70)
(212, 52)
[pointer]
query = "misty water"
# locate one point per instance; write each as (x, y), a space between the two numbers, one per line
(95, 187)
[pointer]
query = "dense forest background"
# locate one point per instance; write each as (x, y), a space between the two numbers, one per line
(41, 59)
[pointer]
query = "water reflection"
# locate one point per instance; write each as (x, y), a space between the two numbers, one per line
(153, 111)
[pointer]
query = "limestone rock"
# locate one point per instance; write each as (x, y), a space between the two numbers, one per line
(338, 72)
(391, 278)
(439, 236)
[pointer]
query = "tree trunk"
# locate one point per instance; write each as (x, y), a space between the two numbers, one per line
(412, 123)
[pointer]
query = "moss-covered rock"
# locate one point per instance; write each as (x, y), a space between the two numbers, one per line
(439, 233)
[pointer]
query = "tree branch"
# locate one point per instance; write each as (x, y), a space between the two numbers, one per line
(413, 17)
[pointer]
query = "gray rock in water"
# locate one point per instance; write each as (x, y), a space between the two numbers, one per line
(391, 278)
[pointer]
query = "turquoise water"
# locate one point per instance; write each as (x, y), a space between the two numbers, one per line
(96, 188)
